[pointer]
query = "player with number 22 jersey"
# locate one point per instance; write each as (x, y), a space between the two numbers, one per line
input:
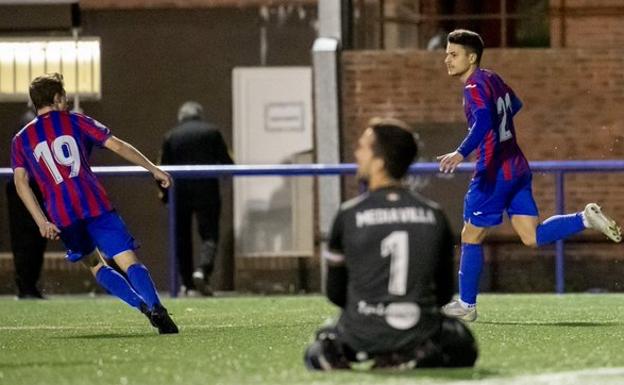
(492, 135)
(502, 179)
(489, 105)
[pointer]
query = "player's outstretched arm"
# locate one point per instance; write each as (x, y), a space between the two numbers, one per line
(131, 154)
(47, 229)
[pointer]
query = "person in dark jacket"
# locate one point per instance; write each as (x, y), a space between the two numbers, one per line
(196, 142)
(27, 245)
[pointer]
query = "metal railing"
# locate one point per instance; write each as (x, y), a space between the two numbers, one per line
(558, 168)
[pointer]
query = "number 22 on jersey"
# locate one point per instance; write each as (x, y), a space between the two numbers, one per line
(502, 105)
(64, 152)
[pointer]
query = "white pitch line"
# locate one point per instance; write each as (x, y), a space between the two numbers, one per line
(50, 327)
(597, 376)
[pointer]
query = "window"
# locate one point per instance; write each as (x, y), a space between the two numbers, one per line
(23, 59)
(380, 24)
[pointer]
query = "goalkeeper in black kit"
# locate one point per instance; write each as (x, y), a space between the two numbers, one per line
(390, 269)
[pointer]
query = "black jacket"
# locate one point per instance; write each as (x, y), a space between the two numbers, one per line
(195, 142)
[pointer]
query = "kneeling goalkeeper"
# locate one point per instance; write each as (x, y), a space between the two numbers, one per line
(390, 269)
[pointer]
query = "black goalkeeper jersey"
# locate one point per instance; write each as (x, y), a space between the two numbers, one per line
(398, 250)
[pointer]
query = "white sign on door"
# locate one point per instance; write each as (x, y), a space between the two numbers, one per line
(272, 110)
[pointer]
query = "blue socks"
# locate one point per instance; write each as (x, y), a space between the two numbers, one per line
(559, 227)
(470, 266)
(141, 281)
(139, 289)
(116, 284)
(471, 263)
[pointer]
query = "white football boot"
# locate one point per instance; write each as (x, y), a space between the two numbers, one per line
(457, 309)
(598, 221)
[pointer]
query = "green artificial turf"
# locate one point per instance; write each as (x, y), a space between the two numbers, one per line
(260, 340)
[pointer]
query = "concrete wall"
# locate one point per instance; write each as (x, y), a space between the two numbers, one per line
(152, 61)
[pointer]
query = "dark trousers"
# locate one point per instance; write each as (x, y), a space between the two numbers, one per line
(27, 244)
(208, 229)
(453, 345)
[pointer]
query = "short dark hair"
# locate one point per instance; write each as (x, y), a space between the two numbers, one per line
(43, 88)
(395, 143)
(470, 40)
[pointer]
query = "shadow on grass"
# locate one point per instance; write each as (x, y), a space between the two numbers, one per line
(106, 336)
(577, 324)
(55, 364)
(440, 373)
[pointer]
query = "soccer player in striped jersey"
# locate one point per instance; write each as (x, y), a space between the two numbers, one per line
(502, 177)
(53, 149)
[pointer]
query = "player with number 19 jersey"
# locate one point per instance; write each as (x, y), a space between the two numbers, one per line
(54, 149)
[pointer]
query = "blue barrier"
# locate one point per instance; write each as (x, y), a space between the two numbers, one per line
(558, 168)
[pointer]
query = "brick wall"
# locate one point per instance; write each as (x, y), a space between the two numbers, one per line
(511, 267)
(572, 111)
(566, 93)
(587, 23)
(572, 99)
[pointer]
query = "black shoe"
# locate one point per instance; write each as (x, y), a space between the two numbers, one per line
(201, 282)
(146, 312)
(31, 294)
(160, 319)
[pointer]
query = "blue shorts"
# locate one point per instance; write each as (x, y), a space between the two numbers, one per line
(106, 232)
(485, 202)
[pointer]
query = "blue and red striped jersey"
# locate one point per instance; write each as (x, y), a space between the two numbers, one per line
(490, 105)
(54, 149)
